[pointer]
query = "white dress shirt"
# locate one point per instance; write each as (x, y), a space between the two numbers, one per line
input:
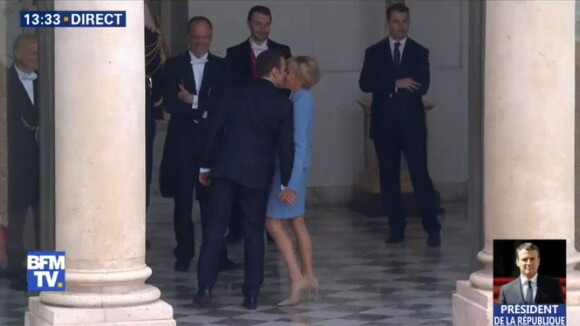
(197, 66)
(525, 289)
(401, 47)
(27, 81)
(258, 48)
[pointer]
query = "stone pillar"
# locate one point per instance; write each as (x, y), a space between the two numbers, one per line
(528, 142)
(100, 176)
(3, 131)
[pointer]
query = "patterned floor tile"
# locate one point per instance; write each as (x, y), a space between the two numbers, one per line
(362, 281)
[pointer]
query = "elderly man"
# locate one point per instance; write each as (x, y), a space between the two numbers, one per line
(23, 154)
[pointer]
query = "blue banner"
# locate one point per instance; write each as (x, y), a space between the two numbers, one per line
(46, 271)
(528, 315)
(48, 19)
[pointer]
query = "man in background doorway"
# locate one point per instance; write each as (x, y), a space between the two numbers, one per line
(23, 155)
(396, 72)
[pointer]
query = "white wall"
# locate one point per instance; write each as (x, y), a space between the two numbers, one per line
(443, 27)
(337, 33)
(10, 15)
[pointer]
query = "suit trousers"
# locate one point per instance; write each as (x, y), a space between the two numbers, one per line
(17, 213)
(409, 136)
(224, 194)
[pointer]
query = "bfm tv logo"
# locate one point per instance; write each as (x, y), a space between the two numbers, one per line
(46, 271)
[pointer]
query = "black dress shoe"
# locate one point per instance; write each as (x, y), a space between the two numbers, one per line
(434, 240)
(394, 239)
(181, 266)
(250, 303)
(202, 298)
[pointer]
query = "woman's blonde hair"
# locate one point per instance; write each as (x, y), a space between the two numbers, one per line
(306, 69)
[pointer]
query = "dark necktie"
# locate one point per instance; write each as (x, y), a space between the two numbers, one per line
(397, 53)
(530, 294)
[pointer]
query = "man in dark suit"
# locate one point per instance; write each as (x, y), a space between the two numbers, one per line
(194, 83)
(396, 71)
(23, 153)
(241, 61)
(253, 124)
(531, 287)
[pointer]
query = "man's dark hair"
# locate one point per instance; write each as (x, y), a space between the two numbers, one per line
(260, 10)
(267, 61)
(527, 246)
(398, 7)
(197, 19)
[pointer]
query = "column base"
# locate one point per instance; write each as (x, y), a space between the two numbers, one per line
(472, 306)
(158, 313)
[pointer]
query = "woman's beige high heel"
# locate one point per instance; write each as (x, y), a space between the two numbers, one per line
(313, 285)
(296, 293)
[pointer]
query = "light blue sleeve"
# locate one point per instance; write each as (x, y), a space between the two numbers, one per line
(303, 110)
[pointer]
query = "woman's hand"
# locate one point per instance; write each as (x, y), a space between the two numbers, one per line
(288, 196)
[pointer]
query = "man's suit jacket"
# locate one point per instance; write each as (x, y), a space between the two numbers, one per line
(379, 75)
(253, 123)
(184, 142)
(23, 155)
(549, 292)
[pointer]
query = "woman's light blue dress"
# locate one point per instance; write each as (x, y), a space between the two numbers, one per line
(303, 122)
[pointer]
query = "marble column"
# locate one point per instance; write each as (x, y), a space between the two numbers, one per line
(100, 176)
(3, 131)
(528, 142)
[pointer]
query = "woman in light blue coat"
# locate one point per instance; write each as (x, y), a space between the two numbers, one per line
(301, 74)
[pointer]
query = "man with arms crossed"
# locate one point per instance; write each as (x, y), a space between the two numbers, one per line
(194, 84)
(396, 72)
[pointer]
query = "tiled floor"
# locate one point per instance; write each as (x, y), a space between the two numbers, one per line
(363, 282)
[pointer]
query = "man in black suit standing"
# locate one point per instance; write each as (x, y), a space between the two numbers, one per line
(23, 153)
(531, 287)
(253, 124)
(194, 83)
(396, 72)
(241, 61)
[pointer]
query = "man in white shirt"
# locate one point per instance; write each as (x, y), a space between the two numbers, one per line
(23, 153)
(194, 83)
(531, 287)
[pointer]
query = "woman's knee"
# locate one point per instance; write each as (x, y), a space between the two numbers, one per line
(298, 222)
(273, 225)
